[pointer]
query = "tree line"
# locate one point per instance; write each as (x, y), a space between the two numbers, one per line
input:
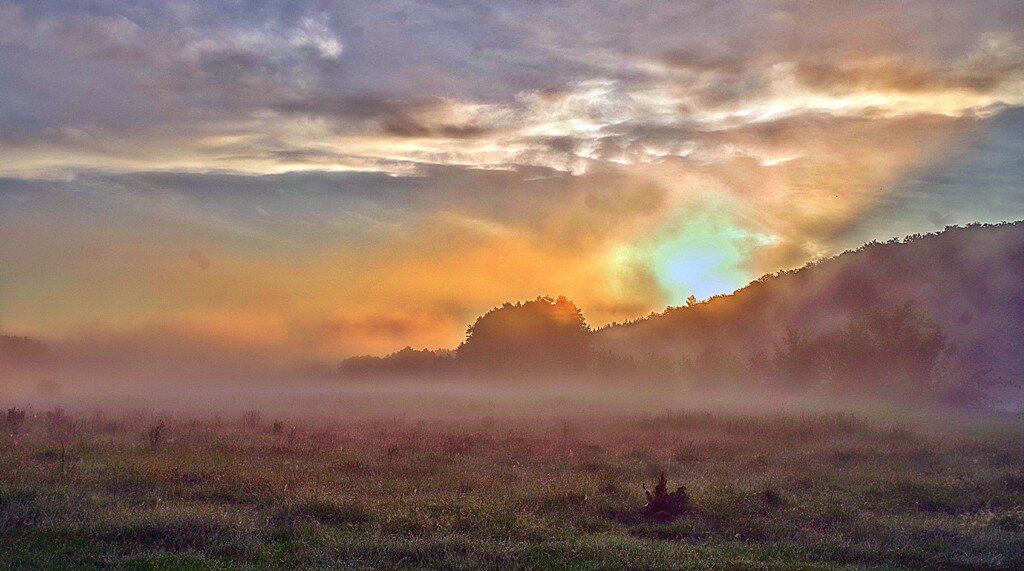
(893, 352)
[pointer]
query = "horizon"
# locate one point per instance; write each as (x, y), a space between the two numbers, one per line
(653, 313)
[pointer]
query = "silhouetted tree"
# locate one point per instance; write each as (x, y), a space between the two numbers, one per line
(407, 362)
(543, 336)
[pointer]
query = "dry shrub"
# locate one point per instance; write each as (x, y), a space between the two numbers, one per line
(14, 419)
(156, 433)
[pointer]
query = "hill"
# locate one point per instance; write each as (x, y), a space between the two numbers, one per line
(969, 280)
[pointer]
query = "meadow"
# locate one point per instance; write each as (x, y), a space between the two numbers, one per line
(779, 490)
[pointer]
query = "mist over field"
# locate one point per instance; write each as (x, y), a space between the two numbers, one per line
(926, 321)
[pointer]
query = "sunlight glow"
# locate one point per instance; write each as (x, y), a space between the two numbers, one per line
(705, 257)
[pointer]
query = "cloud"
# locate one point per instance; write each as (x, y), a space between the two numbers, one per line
(215, 89)
(364, 173)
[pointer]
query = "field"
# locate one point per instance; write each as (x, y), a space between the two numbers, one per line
(768, 491)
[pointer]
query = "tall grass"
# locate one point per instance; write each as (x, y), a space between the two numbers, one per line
(773, 490)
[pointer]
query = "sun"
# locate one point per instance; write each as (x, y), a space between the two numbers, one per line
(704, 256)
(700, 270)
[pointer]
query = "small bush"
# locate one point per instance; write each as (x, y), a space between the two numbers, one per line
(155, 434)
(663, 505)
(14, 419)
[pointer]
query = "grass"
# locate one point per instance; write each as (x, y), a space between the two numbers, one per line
(773, 491)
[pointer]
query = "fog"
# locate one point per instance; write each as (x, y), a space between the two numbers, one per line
(884, 327)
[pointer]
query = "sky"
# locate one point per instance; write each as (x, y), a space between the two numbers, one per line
(323, 179)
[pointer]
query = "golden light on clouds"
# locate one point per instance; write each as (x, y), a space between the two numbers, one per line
(356, 182)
